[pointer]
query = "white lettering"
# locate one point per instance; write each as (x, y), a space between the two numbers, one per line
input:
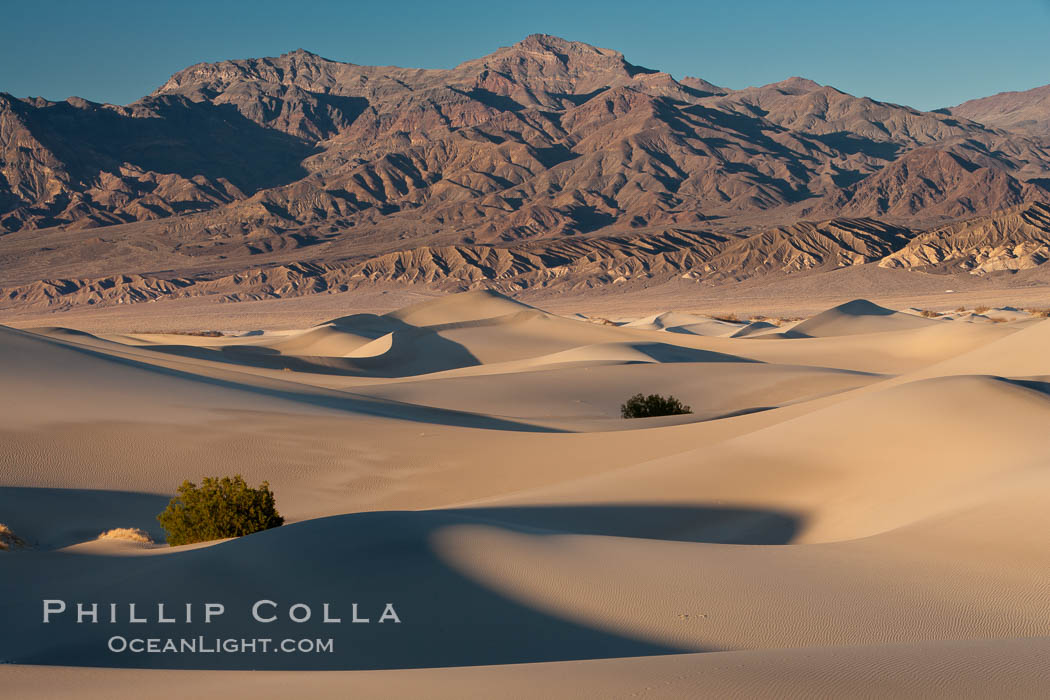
(213, 610)
(390, 614)
(259, 604)
(160, 614)
(304, 618)
(51, 609)
(83, 612)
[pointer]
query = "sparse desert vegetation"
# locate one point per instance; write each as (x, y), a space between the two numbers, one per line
(217, 509)
(472, 399)
(131, 534)
(194, 333)
(9, 540)
(201, 334)
(642, 406)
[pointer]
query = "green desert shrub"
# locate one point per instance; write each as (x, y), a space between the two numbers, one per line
(641, 406)
(217, 509)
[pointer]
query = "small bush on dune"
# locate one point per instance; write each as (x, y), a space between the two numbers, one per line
(9, 540)
(202, 334)
(927, 313)
(217, 509)
(641, 406)
(131, 534)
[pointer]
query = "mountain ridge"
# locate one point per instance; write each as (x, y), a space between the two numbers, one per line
(299, 159)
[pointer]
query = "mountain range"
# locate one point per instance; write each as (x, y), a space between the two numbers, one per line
(545, 163)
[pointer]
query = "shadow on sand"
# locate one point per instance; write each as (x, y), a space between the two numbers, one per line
(448, 618)
(314, 396)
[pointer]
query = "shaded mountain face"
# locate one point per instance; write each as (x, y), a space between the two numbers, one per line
(928, 184)
(299, 159)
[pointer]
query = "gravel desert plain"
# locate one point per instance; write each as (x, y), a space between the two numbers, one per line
(416, 316)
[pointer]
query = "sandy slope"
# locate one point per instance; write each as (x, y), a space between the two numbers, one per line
(855, 508)
(949, 670)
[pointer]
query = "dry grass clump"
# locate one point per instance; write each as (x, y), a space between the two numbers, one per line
(1039, 313)
(728, 318)
(927, 313)
(960, 310)
(981, 309)
(9, 540)
(131, 534)
(785, 319)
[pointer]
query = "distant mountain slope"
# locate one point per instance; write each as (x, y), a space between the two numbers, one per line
(1012, 240)
(807, 246)
(1024, 112)
(926, 185)
(299, 160)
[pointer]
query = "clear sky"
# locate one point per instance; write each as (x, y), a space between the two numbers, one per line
(925, 53)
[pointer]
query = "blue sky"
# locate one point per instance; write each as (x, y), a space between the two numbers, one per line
(926, 53)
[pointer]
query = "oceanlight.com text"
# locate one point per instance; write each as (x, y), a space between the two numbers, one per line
(218, 645)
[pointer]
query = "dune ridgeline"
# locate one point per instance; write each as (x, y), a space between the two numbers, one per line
(855, 507)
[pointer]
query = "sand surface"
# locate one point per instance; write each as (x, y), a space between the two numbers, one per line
(856, 506)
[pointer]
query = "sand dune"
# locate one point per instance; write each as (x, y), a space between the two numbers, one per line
(949, 670)
(857, 317)
(755, 328)
(470, 306)
(855, 507)
(329, 340)
(677, 322)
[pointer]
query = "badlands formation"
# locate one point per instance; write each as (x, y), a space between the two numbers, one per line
(856, 507)
(546, 167)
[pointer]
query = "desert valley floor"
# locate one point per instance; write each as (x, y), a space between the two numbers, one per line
(856, 507)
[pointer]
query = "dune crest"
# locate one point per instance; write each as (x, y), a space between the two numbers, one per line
(465, 458)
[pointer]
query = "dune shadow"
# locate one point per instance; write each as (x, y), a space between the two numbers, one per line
(672, 522)
(44, 514)
(1039, 385)
(344, 401)
(413, 351)
(448, 615)
(670, 354)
